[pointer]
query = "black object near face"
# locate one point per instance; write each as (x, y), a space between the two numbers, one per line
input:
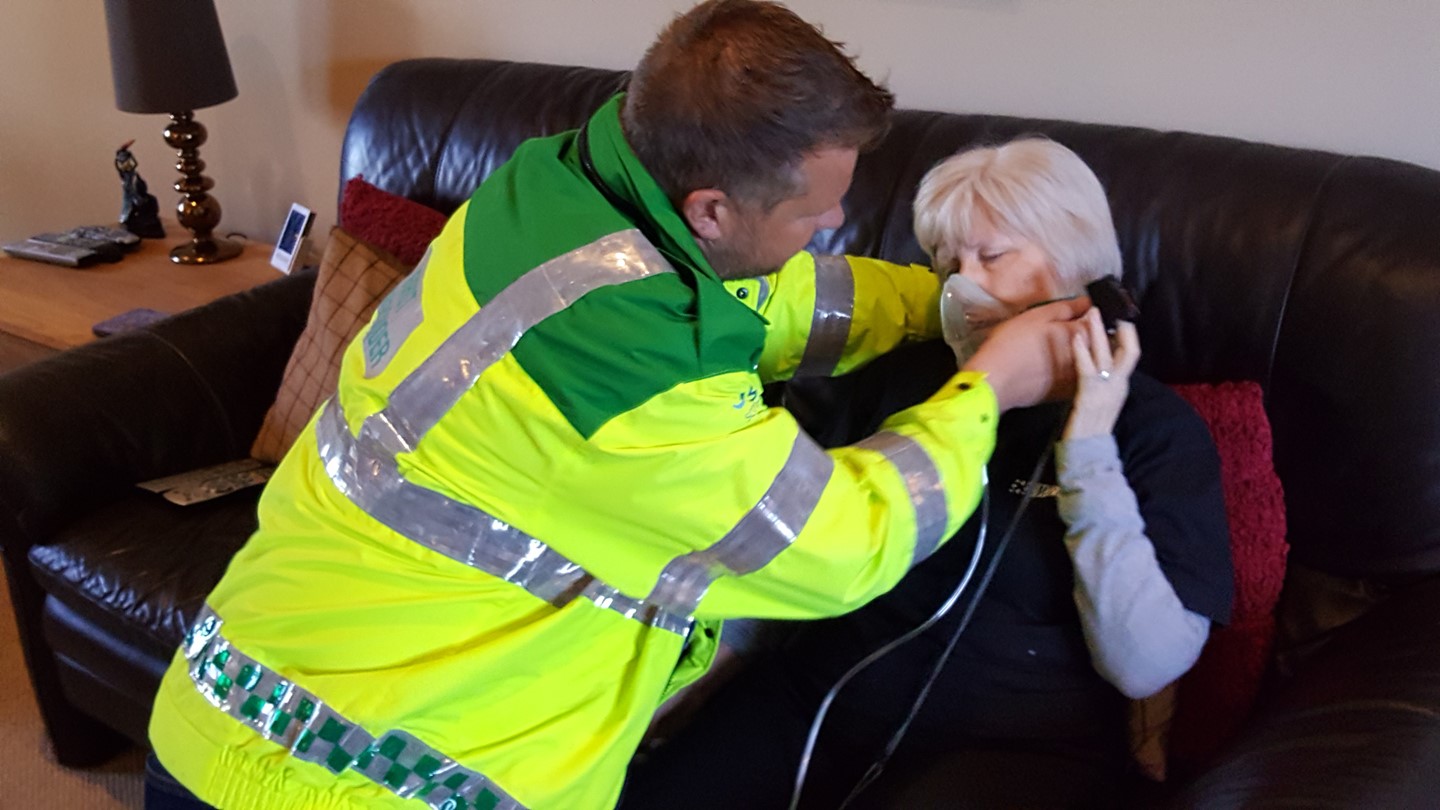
(1113, 300)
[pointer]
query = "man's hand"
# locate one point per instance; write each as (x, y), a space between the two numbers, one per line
(1028, 358)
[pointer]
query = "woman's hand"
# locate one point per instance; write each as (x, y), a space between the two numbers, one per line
(1103, 377)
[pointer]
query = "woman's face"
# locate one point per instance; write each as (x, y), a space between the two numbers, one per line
(1006, 265)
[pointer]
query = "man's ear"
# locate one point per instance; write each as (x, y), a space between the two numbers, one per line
(706, 211)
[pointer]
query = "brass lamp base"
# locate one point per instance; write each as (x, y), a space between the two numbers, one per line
(198, 212)
(208, 251)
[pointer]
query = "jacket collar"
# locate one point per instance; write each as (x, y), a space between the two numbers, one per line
(623, 176)
(628, 184)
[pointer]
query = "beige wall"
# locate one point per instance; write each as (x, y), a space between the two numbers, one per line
(1348, 75)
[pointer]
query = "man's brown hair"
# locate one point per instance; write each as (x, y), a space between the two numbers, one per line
(734, 93)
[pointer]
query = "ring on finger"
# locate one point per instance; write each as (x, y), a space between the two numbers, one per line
(1104, 374)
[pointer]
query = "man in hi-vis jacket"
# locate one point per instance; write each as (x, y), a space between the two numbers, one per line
(548, 473)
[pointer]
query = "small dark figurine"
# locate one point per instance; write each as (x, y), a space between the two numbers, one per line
(139, 211)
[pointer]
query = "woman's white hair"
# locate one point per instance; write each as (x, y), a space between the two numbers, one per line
(1033, 187)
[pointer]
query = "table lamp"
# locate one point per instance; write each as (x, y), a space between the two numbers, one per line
(168, 56)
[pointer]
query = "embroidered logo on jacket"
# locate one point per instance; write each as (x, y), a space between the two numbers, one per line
(749, 402)
(397, 316)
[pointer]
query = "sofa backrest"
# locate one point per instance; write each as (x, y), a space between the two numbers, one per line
(1315, 274)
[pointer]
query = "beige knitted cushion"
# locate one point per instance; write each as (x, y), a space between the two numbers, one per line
(353, 278)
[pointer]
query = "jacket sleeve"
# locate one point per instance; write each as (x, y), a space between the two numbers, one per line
(829, 315)
(744, 514)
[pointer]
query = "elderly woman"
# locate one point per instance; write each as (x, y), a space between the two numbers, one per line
(1110, 576)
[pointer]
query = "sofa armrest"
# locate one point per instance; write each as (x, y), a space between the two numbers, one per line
(1357, 726)
(190, 391)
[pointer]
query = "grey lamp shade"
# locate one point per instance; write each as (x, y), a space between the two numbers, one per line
(167, 56)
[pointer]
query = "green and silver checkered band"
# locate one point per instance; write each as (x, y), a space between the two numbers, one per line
(286, 713)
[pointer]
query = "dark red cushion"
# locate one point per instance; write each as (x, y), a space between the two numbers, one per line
(388, 221)
(1216, 696)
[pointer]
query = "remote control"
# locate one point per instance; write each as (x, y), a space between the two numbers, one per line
(66, 255)
(126, 321)
(119, 236)
(107, 251)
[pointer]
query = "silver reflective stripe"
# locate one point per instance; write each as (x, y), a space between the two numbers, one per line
(922, 479)
(365, 471)
(425, 396)
(764, 293)
(291, 716)
(830, 323)
(767, 529)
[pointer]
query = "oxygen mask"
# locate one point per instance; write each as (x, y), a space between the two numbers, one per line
(968, 314)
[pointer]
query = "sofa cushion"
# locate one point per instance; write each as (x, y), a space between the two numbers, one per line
(1188, 722)
(353, 278)
(140, 567)
(1215, 697)
(388, 221)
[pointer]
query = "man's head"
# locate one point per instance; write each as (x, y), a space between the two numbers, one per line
(750, 120)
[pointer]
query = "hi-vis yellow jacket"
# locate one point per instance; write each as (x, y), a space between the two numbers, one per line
(546, 476)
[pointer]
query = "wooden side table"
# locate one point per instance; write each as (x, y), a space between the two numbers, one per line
(47, 307)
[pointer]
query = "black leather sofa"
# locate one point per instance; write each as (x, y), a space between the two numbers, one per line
(1315, 274)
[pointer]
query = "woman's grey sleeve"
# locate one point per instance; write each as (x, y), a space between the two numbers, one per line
(1141, 637)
